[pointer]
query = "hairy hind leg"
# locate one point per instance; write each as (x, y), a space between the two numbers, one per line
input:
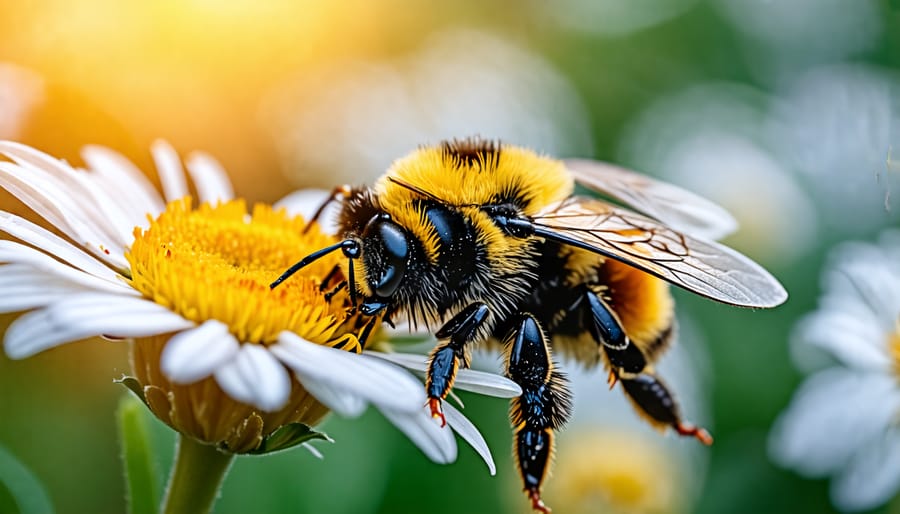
(629, 365)
(543, 406)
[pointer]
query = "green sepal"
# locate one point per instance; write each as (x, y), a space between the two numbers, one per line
(287, 437)
(134, 386)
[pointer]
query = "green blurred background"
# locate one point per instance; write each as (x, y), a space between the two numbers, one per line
(785, 112)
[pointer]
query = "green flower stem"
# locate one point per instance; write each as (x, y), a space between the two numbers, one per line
(196, 477)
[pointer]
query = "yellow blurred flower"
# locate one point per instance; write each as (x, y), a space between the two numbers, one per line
(615, 471)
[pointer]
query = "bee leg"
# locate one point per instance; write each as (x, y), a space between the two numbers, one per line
(447, 358)
(336, 194)
(335, 290)
(628, 365)
(543, 406)
(623, 355)
(655, 401)
(329, 277)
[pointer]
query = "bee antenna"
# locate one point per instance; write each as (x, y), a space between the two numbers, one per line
(350, 247)
(336, 194)
(416, 189)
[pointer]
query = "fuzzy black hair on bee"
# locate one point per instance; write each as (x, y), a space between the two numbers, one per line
(472, 150)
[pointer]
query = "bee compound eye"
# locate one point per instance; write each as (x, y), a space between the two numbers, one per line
(396, 245)
(395, 254)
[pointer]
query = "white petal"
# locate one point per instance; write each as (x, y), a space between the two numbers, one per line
(128, 179)
(24, 288)
(81, 196)
(104, 212)
(209, 178)
(436, 442)
(196, 353)
(33, 198)
(832, 414)
(462, 426)
(51, 243)
(869, 276)
(12, 252)
(60, 208)
(466, 379)
(306, 202)
(171, 174)
(87, 315)
(313, 450)
(381, 383)
(33, 161)
(872, 476)
(64, 208)
(132, 212)
(344, 403)
(255, 377)
(854, 338)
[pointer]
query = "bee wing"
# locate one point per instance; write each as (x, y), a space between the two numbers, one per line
(703, 267)
(670, 204)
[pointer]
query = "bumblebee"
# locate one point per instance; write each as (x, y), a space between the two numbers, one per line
(487, 242)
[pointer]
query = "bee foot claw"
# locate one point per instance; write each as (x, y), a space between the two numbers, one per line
(694, 431)
(538, 504)
(435, 405)
(612, 379)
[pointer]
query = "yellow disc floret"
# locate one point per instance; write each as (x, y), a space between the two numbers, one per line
(216, 262)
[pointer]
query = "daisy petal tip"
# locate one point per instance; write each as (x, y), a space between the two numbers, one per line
(313, 450)
(467, 430)
(16, 352)
(194, 354)
(437, 443)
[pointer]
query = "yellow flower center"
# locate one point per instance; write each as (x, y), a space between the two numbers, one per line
(216, 262)
(616, 471)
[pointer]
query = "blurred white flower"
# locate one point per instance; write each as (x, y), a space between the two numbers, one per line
(837, 125)
(347, 124)
(611, 17)
(781, 37)
(20, 91)
(710, 139)
(842, 420)
(609, 460)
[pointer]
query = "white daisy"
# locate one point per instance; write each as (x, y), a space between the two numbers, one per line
(842, 420)
(190, 286)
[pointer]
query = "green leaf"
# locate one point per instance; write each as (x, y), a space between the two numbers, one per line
(26, 490)
(287, 437)
(141, 476)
